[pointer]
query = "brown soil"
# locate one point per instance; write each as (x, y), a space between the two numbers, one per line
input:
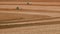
(27, 25)
(7, 16)
(26, 10)
(35, 4)
(32, 0)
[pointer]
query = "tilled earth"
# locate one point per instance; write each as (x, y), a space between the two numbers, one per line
(52, 26)
(34, 0)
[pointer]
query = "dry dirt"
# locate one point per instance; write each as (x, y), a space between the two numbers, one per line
(32, 3)
(36, 29)
(11, 18)
(48, 27)
(4, 16)
(32, 0)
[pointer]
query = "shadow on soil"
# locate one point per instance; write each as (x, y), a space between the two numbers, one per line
(26, 25)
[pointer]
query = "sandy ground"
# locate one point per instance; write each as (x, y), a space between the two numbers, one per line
(49, 22)
(32, 3)
(40, 29)
(7, 16)
(32, 0)
(54, 8)
(33, 13)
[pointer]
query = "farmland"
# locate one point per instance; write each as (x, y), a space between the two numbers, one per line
(35, 18)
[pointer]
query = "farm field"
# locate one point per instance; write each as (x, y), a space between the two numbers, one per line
(37, 18)
(31, 0)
